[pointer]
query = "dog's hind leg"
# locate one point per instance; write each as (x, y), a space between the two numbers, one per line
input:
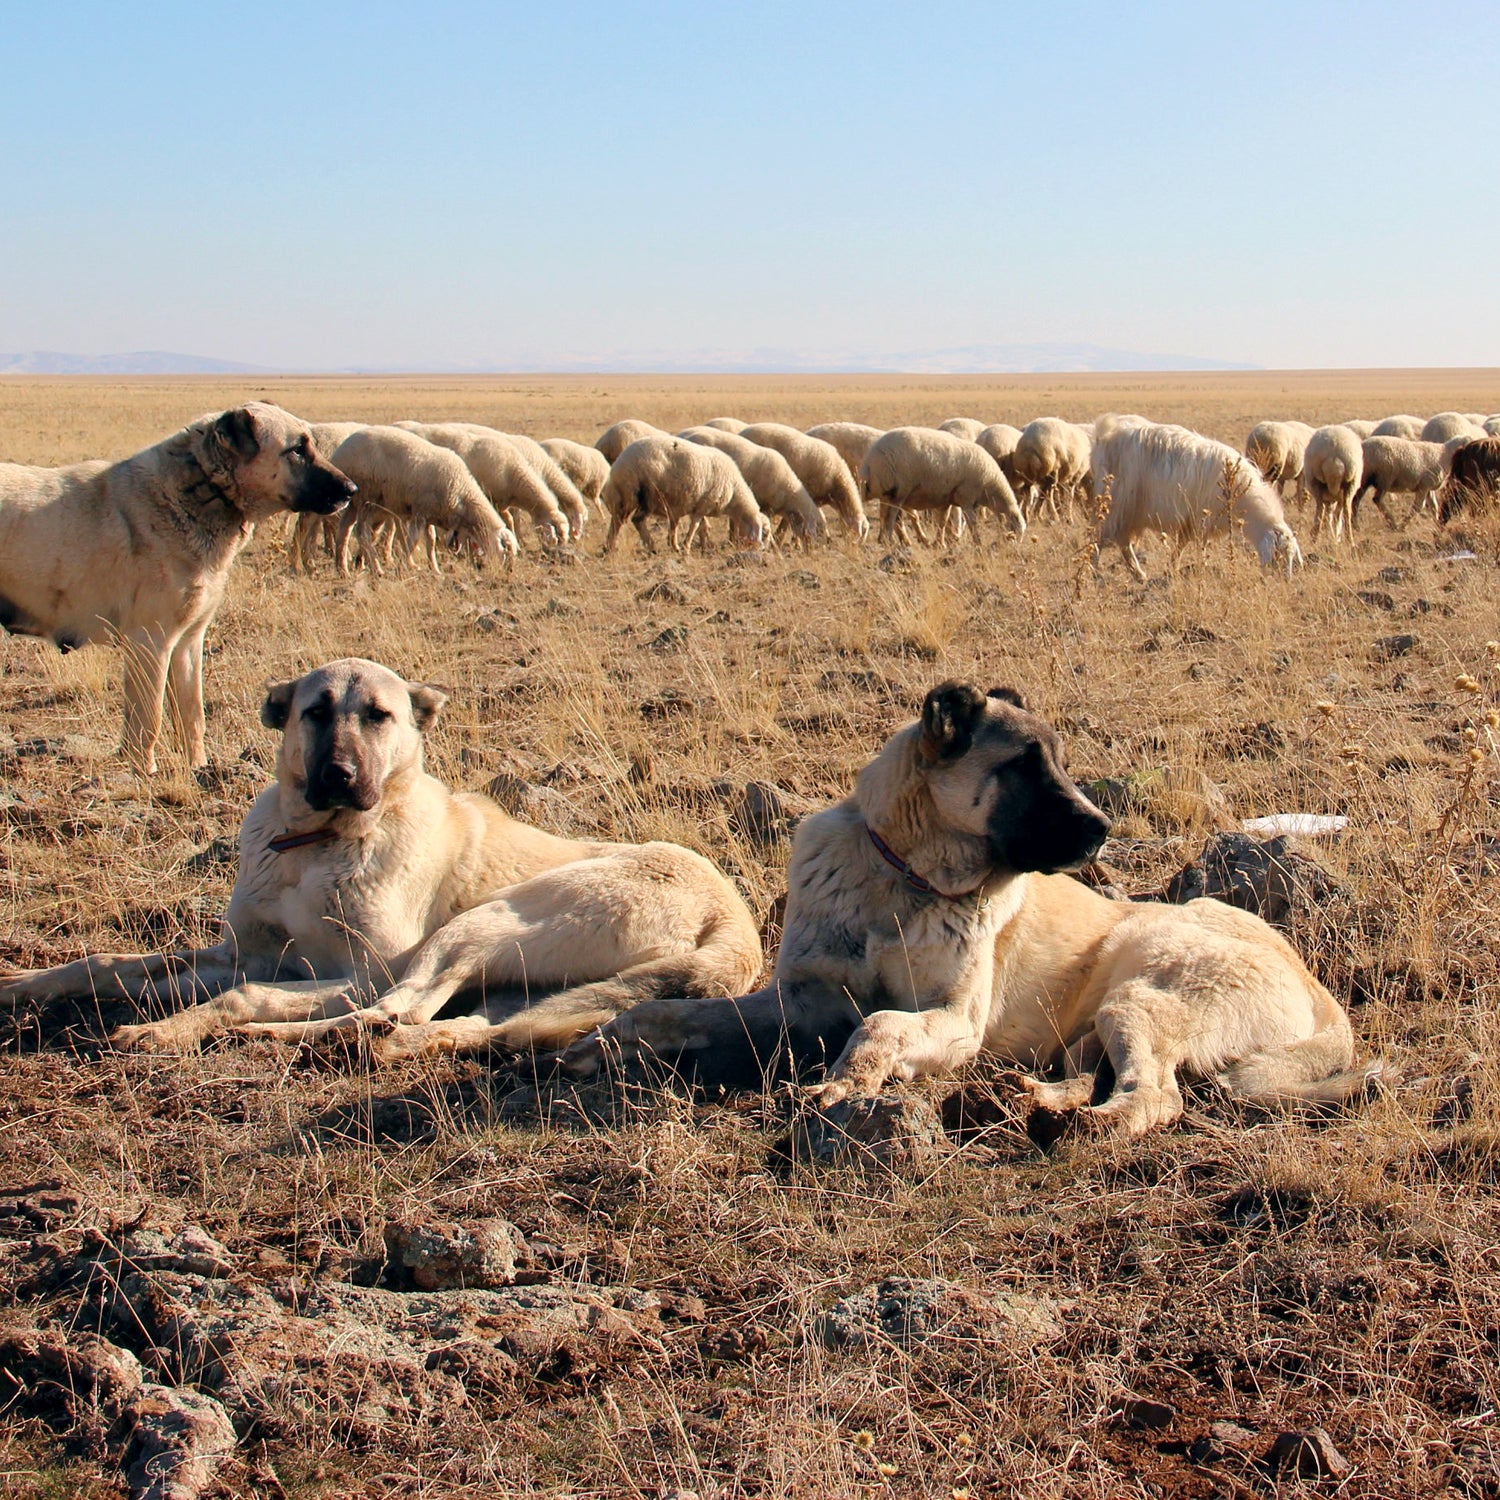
(1131, 1024)
(146, 659)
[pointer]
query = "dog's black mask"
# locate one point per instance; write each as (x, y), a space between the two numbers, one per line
(322, 489)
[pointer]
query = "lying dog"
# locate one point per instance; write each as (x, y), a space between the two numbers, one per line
(361, 875)
(925, 914)
(139, 551)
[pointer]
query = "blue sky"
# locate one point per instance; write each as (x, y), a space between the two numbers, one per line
(323, 186)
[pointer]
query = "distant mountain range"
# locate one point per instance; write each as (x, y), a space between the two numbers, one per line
(968, 359)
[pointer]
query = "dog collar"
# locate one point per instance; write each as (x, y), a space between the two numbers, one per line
(909, 875)
(287, 841)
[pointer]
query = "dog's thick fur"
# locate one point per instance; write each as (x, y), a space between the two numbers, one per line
(1000, 954)
(406, 891)
(139, 551)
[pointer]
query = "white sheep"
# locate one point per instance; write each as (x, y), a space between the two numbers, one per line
(1492, 425)
(1399, 427)
(1000, 440)
(418, 485)
(777, 490)
(1167, 479)
(674, 479)
(1447, 425)
(569, 498)
(1332, 468)
(819, 466)
(726, 424)
(967, 428)
(920, 468)
(1277, 449)
(613, 441)
(1051, 455)
(851, 440)
(1404, 466)
(1361, 427)
(587, 467)
(504, 472)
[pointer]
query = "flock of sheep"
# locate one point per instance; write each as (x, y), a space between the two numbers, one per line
(470, 485)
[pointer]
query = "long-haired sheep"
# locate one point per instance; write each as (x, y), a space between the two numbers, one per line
(1399, 427)
(675, 479)
(1000, 440)
(1051, 455)
(1473, 478)
(1361, 427)
(967, 428)
(419, 485)
(1492, 425)
(1163, 478)
(567, 494)
(777, 490)
(613, 441)
(1333, 466)
(587, 467)
(818, 466)
(726, 424)
(920, 468)
(1277, 449)
(1403, 466)
(504, 472)
(851, 439)
(1447, 425)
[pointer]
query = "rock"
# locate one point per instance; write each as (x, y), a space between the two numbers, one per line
(892, 1130)
(1389, 647)
(1394, 574)
(804, 578)
(91, 1379)
(900, 561)
(666, 591)
(671, 701)
(904, 1310)
(544, 805)
(1266, 877)
(673, 638)
(437, 1256)
(1375, 598)
(190, 1250)
(179, 1440)
(222, 853)
(762, 815)
(1307, 1455)
(1145, 1414)
(559, 609)
(1221, 1439)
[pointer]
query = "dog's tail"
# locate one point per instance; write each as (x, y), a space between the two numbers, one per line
(1313, 1071)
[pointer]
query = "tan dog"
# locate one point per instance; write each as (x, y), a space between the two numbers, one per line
(362, 876)
(924, 915)
(139, 551)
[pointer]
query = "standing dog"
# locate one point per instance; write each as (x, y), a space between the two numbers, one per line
(360, 875)
(925, 915)
(139, 551)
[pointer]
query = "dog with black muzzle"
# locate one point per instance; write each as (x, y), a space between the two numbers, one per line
(139, 551)
(928, 920)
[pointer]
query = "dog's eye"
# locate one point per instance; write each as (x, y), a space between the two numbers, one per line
(375, 714)
(316, 712)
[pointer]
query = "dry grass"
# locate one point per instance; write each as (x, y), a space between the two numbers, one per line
(1281, 1274)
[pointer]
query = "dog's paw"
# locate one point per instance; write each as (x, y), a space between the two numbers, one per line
(1058, 1098)
(150, 1036)
(830, 1092)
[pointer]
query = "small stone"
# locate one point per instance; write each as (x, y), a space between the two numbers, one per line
(439, 1256)
(804, 578)
(665, 591)
(1142, 1413)
(178, 1442)
(887, 1131)
(1394, 574)
(762, 815)
(671, 701)
(900, 561)
(1308, 1455)
(905, 1310)
(1375, 598)
(1389, 647)
(1266, 877)
(673, 638)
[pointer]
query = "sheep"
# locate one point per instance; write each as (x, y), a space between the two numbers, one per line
(851, 439)
(1450, 424)
(1050, 455)
(503, 471)
(1400, 427)
(776, 488)
(1276, 449)
(1492, 425)
(967, 428)
(726, 424)
(326, 436)
(1473, 478)
(1332, 469)
(1395, 465)
(613, 441)
(920, 468)
(587, 467)
(1165, 478)
(405, 477)
(666, 476)
(1361, 427)
(569, 499)
(818, 466)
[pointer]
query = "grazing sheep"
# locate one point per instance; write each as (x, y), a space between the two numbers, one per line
(967, 428)
(1473, 478)
(1403, 466)
(920, 468)
(1448, 425)
(851, 439)
(776, 488)
(726, 424)
(1400, 427)
(1051, 455)
(1361, 427)
(417, 484)
(1276, 449)
(569, 498)
(668, 477)
(613, 441)
(504, 472)
(1333, 466)
(819, 466)
(587, 467)
(999, 440)
(1167, 479)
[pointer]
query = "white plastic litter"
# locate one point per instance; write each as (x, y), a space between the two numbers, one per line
(1307, 825)
(1465, 556)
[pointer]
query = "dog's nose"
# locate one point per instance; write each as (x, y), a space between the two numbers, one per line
(350, 488)
(339, 773)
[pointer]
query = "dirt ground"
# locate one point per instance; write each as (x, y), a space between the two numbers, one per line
(678, 1309)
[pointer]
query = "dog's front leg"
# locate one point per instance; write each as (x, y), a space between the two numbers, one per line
(169, 978)
(285, 1011)
(185, 693)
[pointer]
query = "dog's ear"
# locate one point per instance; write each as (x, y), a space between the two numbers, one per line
(235, 432)
(277, 708)
(1007, 695)
(426, 703)
(949, 715)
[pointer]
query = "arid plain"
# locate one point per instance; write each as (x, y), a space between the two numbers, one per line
(1103, 1308)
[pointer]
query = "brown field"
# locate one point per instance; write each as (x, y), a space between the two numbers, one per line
(1275, 1273)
